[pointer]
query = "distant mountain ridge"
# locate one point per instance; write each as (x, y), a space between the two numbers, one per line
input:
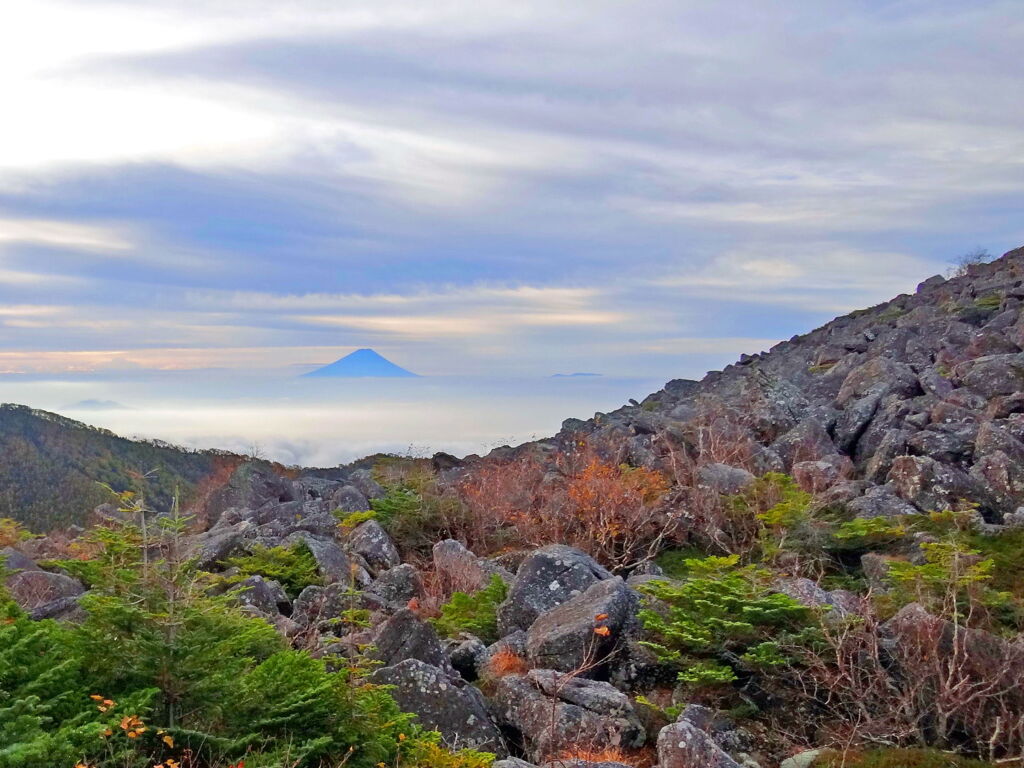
(51, 468)
(363, 363)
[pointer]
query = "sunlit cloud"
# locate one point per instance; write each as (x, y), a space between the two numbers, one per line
(486, 186)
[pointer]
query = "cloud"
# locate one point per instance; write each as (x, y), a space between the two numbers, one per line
(488, 186)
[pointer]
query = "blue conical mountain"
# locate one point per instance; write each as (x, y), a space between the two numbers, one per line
(363, 363)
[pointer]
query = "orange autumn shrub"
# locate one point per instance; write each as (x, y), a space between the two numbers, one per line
(615, 513)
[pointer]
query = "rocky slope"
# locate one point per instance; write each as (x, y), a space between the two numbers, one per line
(912, 406)
(917, 403)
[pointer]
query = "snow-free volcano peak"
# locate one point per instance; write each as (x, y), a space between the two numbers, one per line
(363, 363)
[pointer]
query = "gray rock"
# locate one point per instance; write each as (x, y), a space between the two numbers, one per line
(316, 604)
(250, 487)
(721, 728)
(803, 760)
(363, 480)
(683, 745)
(993, 375)
(460, 570)
(266, 596)
(818, 476)
(876, 570)
(32, 589)
(457, 711)
(724, 478)
(372, 543)
(348, 498)
(549, 725)
(12, 560)
(512, 762)
(564, 638)
(839, 603)
(807, 441)
(218, 544)
(331, 561)
(880, 501)
(469, 657)
(398, 585)
(549, 577)
(930, 485)
(878, 377)
(405, 636)
(593, 695)
(62, 609)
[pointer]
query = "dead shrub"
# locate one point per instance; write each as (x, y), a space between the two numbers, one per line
(614, 513)
(505, 662)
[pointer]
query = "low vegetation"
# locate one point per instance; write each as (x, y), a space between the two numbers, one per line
(161, 671)
(475, 614)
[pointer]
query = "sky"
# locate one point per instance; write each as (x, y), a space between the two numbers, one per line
(488, 188)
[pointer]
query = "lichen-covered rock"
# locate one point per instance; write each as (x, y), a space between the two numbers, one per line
(317, 603)
(549, 577)
(684, 745)
(549, 725)
(362, 479)
(880, 501)
(372, 543)
(468, 657)
(930, 485)
(216, 545)
(581, 632)
(993, 375)
(397, 586)
(406, 636)
(267, 596)
(455, 709)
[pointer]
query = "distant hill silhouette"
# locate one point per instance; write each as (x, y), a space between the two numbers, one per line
(51, 467)
(363, 363)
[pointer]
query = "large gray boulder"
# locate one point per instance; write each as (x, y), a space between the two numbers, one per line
(374, 545)
(930, 485)
(724, 478)
(250, 487)
(550, 725)
(12, 560)
(32, 589)
(397, 586)
(218, 544)
(992, 375)
(684, 745)
(571, 637)
(348, 498)
(456, 709)
(405, 636)
(549, 577)
(267, 596)
(331, 561)
(880, 376)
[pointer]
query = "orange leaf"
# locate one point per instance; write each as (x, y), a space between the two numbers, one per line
(602, 631)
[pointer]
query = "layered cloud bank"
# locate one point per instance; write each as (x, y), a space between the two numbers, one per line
(591, 185)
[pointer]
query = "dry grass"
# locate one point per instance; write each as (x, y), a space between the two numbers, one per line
(505, 662)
